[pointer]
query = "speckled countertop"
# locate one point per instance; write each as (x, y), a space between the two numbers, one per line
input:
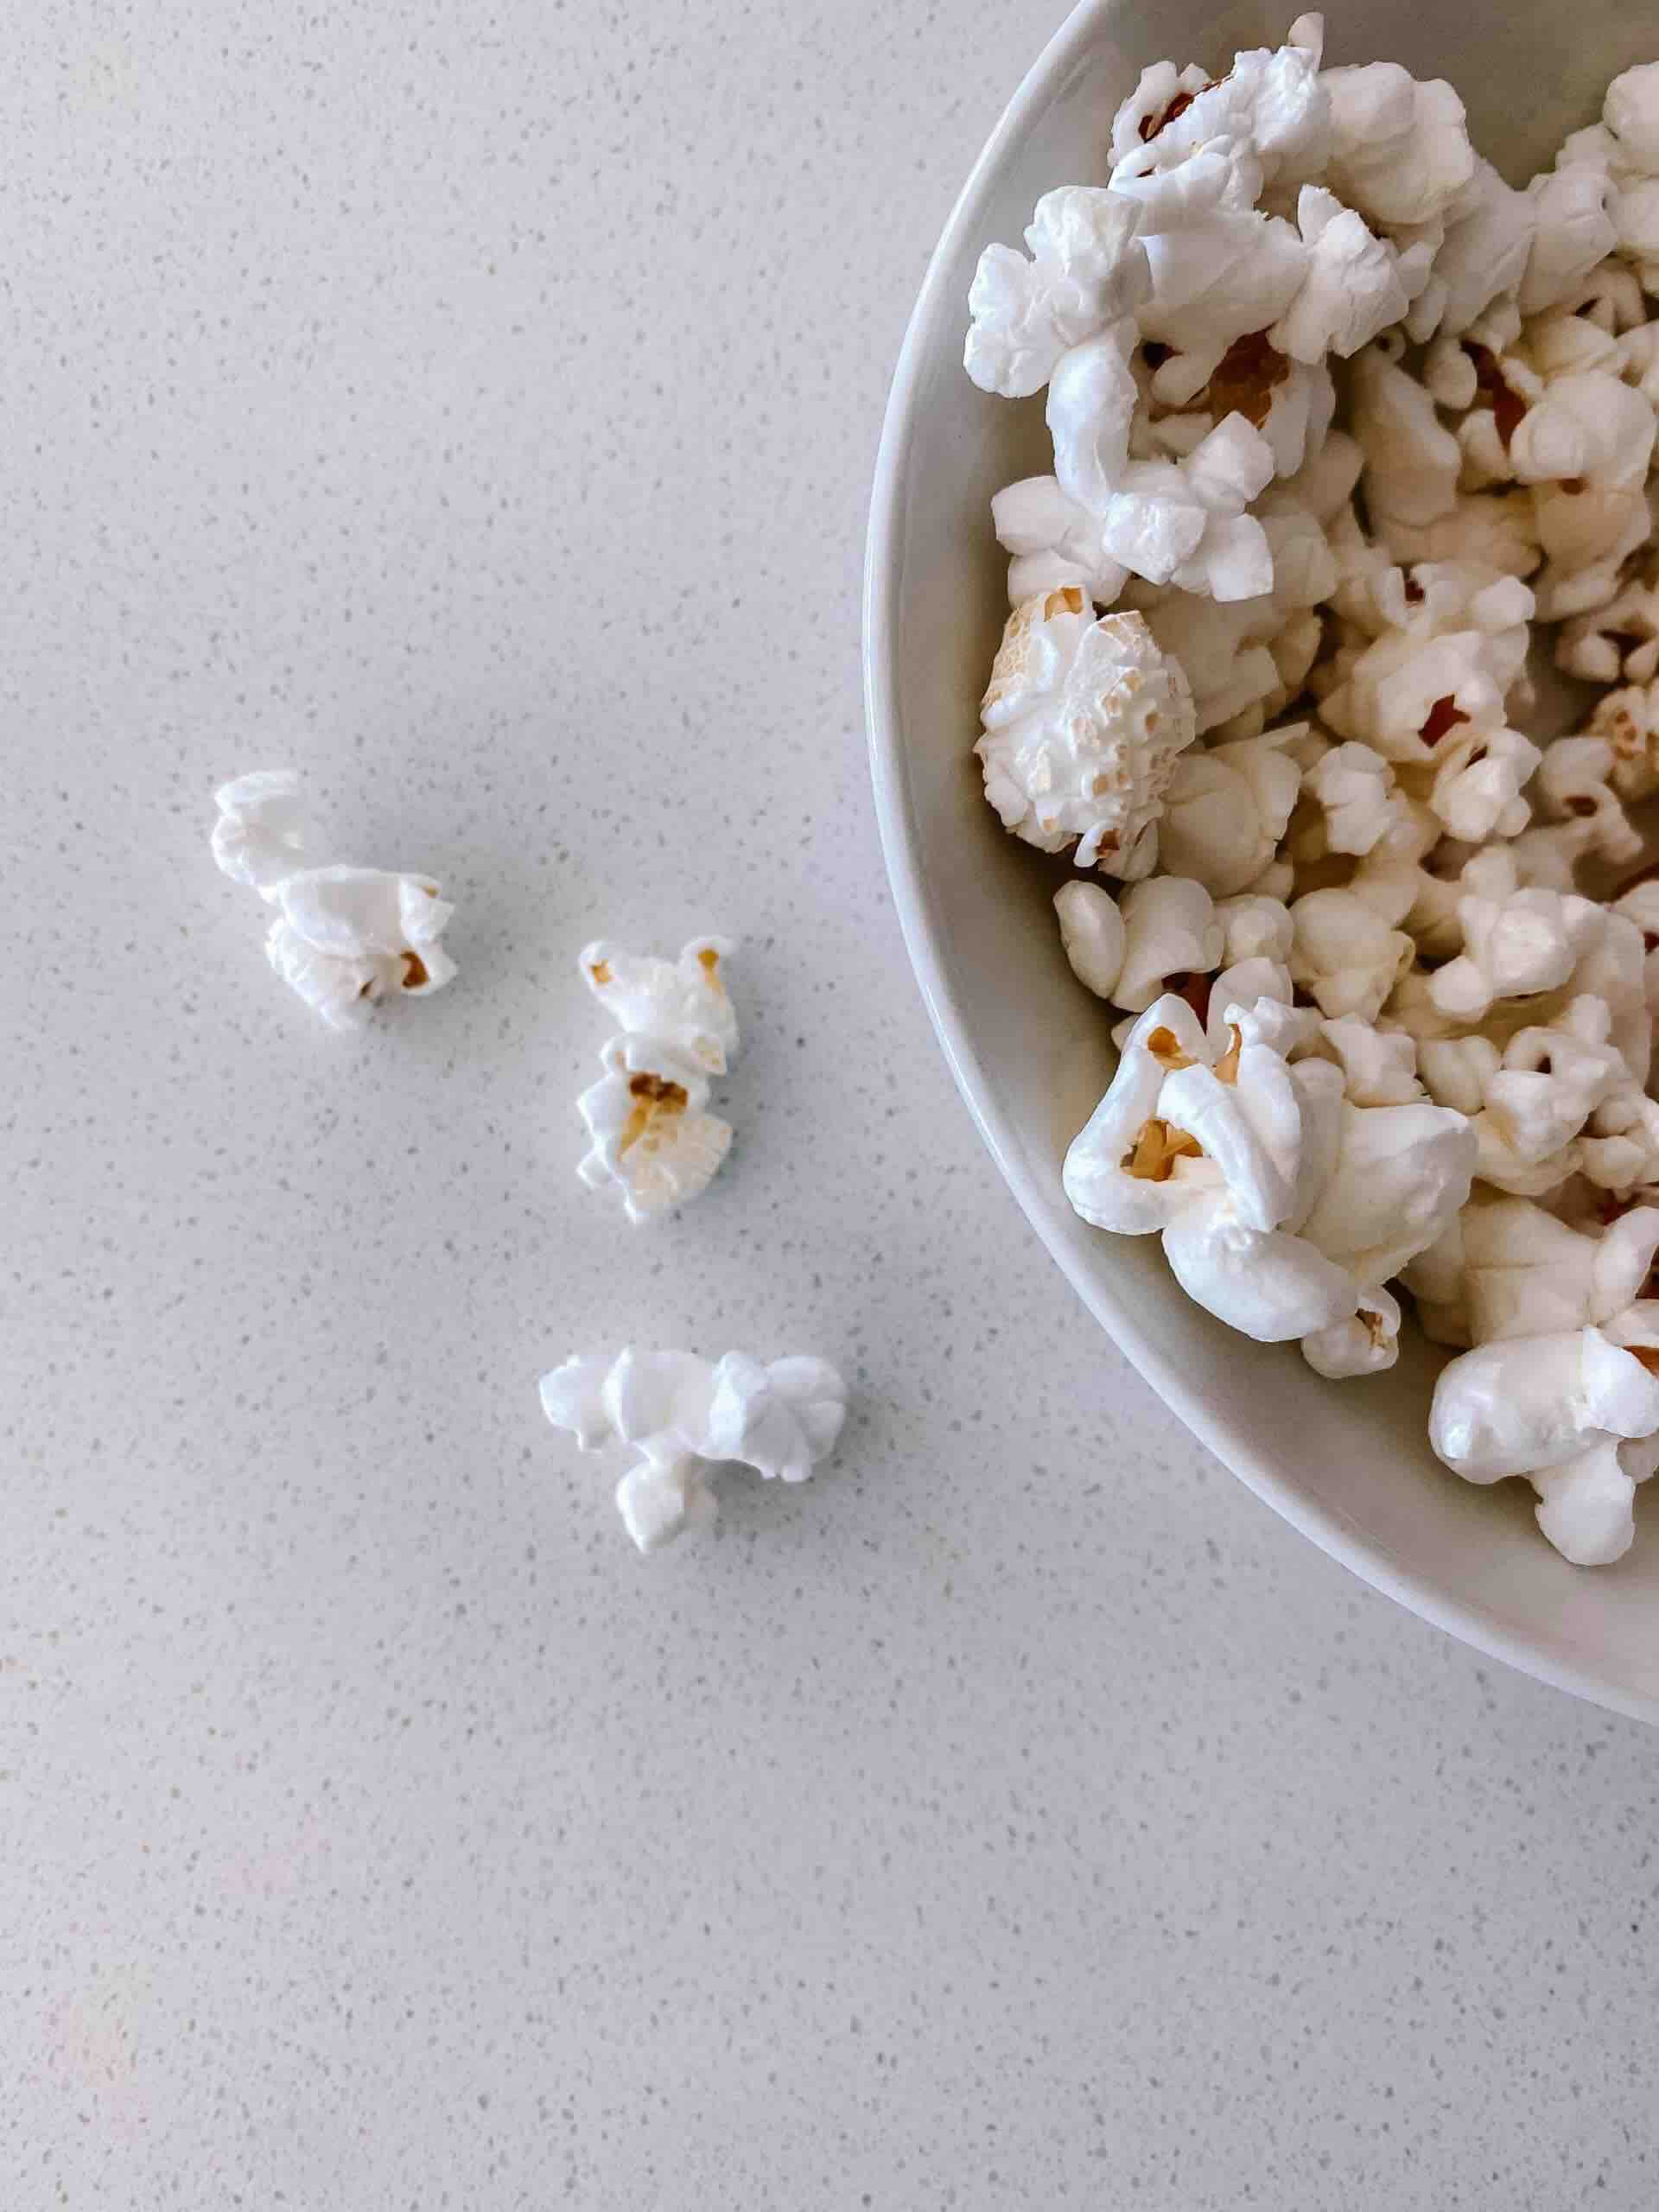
(475, 407)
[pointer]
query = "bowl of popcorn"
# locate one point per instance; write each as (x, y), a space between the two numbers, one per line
(1262, 654)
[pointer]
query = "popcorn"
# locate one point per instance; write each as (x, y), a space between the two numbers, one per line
(1083, 722)
(1411, 462)
(1255, 928)
(684, 1002)
(1571, 231)
(1400, 150)
(1401, 1174)
(1478, 780)
(1366, 1344)
(1379, 1067)
(1272, 101)
(1184, 523)
(650, 1133)
(1591, 428)
(1537, 1405)
(1170, 929)
(1574, 784)
(1087, 269)
(1525, 942)
(1355, 286)
(1548, 1083)
(262, 831)
(345, 937)
(1486, 251)
(1620, 639)
(684, 1413)
(1091, 402)
(1354, 787)
(1206, 1151)
(651, 1136)
(1408, 857)
(1226, 811)
(1092, 935)
(1345, 954)
(1054, 542)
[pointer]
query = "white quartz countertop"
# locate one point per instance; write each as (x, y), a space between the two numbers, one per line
(475, 408)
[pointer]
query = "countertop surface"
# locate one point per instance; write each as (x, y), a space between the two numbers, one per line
(475, 409)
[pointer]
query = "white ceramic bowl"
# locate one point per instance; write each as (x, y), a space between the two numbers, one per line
(1347, 1464)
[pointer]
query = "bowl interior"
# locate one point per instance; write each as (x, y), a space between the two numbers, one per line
(1349, 1463)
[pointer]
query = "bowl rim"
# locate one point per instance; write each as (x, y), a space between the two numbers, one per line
(1332, 1531)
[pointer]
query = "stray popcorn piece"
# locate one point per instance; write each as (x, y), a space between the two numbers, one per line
(343, 937)
(262, 831)
(685, 1414)
(1084, 719)
(682, 1002)
(651, 1132)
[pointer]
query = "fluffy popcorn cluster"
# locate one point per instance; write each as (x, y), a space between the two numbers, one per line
(652, 1138)
(342, 939)
(684, 1413)
(1345, 429)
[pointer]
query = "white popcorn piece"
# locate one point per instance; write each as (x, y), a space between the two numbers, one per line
(1617, 641)
(1355, 286)
(1400, 150)
(651, 1134)
(1550, 1080)
(1091, 402)
(1533, 1405)
(1087, 269)
(1083, 722)
(1226, 810)
(1170, 929)
(345, 937)
(1487, 245)
(1254, 928)
(1401, 1174)
(1186, 523)
(1639, 906)
(1527, 1274)
(1629, 720)
(1575, 783)
(1345, 955)
(262, 831)
(1271, 102)
(342, 939)
(1092, 934)
(1366, 1344)
(1053, 542)
(1590, 427)
(684, 1003)
(1412, 462)
(685, 1413)
(1355, 790)
(1479, 777)
(1379, 1067)
(1206, 1150)
(1586, 1505)
(1514, 946)
(1572, 230)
